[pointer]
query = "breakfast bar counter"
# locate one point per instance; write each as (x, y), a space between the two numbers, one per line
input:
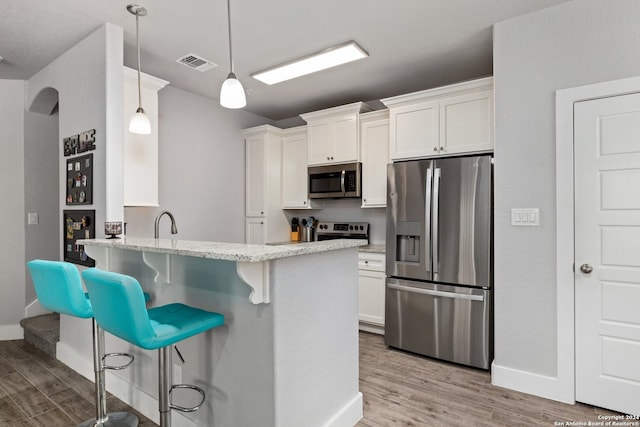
(288, 352)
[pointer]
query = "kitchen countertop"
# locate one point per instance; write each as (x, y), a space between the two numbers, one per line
(378, 249)
(224, 251)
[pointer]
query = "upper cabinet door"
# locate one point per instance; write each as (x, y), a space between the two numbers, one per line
(140, 157)
(414, 130)
(449, 120)
(255, 176)
(466, 123)
(345, 141)
(332, 134)
(374, 149)
(294, 169)
(321, 143)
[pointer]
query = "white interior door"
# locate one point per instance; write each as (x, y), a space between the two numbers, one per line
(607, 252)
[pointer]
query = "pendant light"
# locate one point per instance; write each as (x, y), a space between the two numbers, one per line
(232, 93)
(139, 122)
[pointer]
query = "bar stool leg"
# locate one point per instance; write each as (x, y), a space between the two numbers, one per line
(104, 419)
(165, 380)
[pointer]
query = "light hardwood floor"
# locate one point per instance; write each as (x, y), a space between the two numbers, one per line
(403, 389)
(400, 389)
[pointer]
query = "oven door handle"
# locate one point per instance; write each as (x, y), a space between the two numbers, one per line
(342, 175)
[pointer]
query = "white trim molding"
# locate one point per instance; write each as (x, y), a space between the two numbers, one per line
(11, 332)
(565, 255)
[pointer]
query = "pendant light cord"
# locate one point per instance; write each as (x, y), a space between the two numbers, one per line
(229, 27)
(138, 45)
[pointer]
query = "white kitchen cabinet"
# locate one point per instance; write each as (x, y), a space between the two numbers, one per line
(332, 134)
(371, 284)
(255, 231)
(263, 174)
(295, 179)
(449, 120)
(374, 151)
(140, 155)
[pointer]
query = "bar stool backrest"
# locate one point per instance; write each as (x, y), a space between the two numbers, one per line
(58, 286)
(119, 306)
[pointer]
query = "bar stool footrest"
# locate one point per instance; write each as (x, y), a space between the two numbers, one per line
(191, 387)
(117, 367)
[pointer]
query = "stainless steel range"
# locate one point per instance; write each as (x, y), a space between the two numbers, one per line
(342, 230)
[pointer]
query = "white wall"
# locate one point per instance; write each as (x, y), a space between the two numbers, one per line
(11, 215)
(573, 44)
(41, 190)
(89, 81)
(201, 170)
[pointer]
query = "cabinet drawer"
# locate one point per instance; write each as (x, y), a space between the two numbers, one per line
(371, 261)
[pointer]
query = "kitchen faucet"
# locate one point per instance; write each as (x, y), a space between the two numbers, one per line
(174, 229)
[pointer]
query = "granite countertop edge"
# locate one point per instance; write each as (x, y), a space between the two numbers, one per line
(239, 252)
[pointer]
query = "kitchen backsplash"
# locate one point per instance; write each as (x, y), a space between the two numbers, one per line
(348, 210)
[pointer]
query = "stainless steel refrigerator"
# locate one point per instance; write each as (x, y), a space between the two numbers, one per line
(440, 259)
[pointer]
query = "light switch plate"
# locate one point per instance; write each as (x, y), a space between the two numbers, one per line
(529, 217)
(32, 218)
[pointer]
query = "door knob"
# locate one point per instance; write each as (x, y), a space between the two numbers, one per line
(586, 268)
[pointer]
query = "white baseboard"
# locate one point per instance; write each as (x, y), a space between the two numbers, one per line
(123, 390)
(11, 332)
(369, 327)
(349, 415)
(35, 309)
(527, 382)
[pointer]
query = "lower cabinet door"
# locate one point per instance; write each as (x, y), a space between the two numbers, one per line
(372, 290)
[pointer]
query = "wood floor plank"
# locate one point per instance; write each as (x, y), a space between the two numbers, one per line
(10, 412)
(40, 377)
(53, 418)
(29, 399)
(77, 408)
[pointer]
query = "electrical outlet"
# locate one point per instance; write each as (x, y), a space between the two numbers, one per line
(32, 218)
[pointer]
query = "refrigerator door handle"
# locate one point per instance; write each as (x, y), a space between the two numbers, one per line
(434, 232)
(435, 293)
(427, 221)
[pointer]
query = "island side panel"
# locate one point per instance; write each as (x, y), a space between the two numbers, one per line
(315, 314)
(232, 363)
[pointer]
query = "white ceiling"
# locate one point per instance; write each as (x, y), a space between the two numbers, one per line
(413, 44)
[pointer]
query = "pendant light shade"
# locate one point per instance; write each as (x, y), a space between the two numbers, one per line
(232, 93)
(139, 122)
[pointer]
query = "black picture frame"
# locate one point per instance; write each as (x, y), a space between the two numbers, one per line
(78, 225)
(80, 180)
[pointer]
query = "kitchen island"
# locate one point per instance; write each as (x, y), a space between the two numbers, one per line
(288, 352)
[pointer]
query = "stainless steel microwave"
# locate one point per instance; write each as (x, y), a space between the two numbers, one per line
(335, 181)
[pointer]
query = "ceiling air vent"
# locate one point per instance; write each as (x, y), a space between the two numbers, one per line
(196, 62)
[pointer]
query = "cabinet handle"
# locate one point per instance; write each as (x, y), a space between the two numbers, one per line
(441, 148)
(328, 158)
(261, 212)
(331, 157)
(304, 203)
(261, 222)
(364, 200)
(435, 148)
(366, 261)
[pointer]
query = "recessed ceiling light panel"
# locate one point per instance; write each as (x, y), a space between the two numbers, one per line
(327, 58)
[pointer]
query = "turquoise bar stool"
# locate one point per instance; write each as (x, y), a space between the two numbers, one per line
(119, 308)
(58, 286)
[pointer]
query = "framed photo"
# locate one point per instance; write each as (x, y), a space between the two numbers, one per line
(80, 180)
(77, 226)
